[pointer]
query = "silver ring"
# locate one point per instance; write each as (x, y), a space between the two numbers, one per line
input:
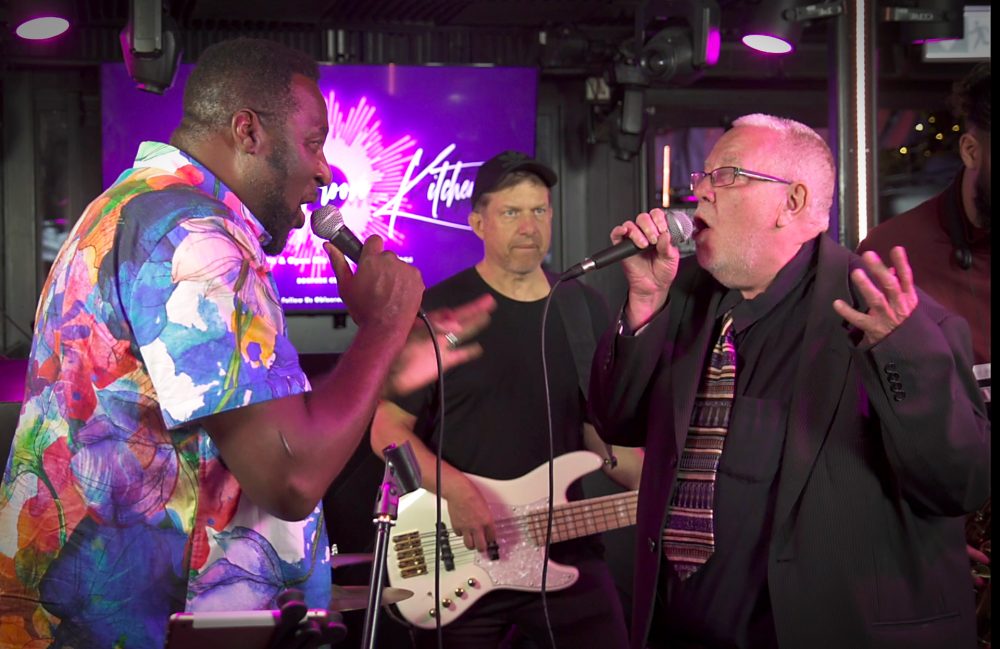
(452, 339)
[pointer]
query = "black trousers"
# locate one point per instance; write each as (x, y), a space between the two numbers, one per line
(587, 614)
(760, 634)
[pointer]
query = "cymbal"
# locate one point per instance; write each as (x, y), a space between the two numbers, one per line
(354, 598)
(344, 559)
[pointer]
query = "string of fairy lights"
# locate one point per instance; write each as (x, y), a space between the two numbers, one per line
(933, 133)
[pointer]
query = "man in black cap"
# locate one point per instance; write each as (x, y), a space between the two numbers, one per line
(496, 415)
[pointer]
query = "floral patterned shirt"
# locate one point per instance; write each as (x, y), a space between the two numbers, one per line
(116, 509)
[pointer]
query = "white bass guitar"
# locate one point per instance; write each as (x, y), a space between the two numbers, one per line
(519, 509)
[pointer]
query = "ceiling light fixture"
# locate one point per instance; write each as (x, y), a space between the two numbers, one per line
(775, 27)
(39, 20)
(150, 46)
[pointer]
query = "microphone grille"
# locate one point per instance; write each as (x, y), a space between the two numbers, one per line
(680, 225)
(326, 221)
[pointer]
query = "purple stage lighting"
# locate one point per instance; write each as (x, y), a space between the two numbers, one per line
(767, 44)
(41, 28)
(404, 146)
(713, 46)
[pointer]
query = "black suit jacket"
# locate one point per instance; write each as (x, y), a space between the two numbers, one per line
(885, 449)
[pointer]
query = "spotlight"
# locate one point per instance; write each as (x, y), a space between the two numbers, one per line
(775, 27)
(38, 20)
(690, 46)
(150, 46)
(769, 30)
(685, 40)
(667, 53)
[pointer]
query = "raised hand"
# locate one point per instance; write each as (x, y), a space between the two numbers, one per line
(650, 273)
(416, 365)
(889, 291)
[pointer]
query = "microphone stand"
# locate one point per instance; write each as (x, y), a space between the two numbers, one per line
(402, 475)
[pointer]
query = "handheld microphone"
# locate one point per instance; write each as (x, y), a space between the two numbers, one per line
(328, 223)
(679, 226)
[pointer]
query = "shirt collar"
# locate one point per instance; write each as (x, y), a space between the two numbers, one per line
(176, 162)
(747, 312)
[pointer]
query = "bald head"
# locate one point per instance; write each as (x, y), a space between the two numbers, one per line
(804, 157)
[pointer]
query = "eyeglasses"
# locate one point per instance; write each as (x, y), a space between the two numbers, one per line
(727, 176)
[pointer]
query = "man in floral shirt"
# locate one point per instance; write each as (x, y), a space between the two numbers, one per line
(170, 451)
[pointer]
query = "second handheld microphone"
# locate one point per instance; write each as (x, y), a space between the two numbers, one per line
(679, 225)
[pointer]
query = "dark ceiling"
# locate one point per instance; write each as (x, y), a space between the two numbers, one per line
(351, 14)
(568, 37)
(441, 13)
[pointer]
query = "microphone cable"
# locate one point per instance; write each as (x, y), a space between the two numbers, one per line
(549, 510)
(438, 461)
(437, 477)
(549, 514)
(328, 223)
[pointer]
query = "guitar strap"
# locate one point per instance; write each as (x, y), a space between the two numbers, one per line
(578, 325)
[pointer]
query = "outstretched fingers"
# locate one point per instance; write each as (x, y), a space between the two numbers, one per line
(889, 292)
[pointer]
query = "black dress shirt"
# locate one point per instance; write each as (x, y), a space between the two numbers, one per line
(725, 604)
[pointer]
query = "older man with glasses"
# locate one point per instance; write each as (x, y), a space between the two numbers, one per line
(813, 431)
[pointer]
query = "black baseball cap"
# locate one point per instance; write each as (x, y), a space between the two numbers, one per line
(493, 171)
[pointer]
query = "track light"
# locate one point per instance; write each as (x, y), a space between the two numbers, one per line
(769, 30)
(667, 53)
(150, 46)
(38, 20)
(685, 40)
(775, 27)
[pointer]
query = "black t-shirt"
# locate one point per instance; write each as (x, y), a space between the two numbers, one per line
(495, 414)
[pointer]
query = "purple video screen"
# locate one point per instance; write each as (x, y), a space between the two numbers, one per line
(404, 146)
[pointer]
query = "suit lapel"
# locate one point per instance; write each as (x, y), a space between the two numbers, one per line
(820, 378)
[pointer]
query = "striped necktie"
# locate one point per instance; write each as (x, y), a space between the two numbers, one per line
(689, 537)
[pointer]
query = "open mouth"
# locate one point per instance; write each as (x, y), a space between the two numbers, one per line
(699, 225)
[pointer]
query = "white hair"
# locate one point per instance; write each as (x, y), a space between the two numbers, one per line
(805, 158)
